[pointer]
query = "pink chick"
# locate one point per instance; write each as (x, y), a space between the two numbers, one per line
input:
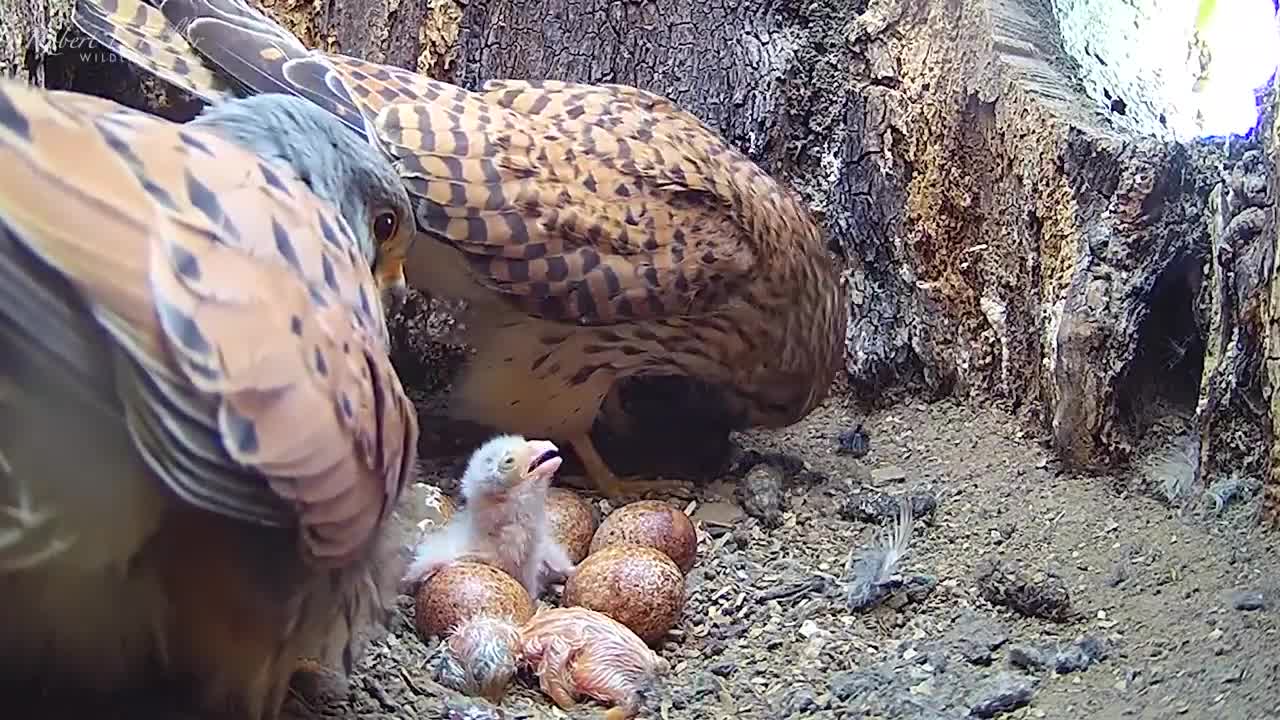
(575, 651)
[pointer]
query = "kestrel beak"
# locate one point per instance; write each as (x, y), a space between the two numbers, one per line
(391, 284)
(545, 460)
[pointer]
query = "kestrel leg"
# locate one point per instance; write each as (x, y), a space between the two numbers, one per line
(614, 487)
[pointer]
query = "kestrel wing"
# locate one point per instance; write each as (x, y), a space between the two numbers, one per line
(374, 86)
(253, 371)
(260, 53)
(579, 206)
(219, 44)
(140, 34)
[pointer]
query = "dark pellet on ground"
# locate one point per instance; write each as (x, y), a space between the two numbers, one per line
(1005, 584)
(760, 495)
(1079, 655)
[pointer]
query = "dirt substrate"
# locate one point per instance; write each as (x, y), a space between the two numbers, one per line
(1143, 610)
(1126, 607)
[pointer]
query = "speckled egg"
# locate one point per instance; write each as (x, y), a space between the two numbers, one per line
(655, 524)
(463, 590)
(572, 522)
(636, 585)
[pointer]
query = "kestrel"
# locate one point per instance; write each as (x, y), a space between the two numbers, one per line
(596, 232)
(201, 434)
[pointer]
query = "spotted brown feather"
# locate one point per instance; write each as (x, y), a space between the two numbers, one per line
(255, 379)
(569, 222)
(222, 49)
(597, 232)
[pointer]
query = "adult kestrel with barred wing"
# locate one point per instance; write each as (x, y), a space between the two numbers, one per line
(201, 434)
(596, 232)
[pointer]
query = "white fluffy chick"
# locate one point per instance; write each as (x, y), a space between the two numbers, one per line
(504, 520)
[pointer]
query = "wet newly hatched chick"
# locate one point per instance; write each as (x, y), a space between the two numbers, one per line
(504, 521)
(575, 651)
(479, 657)
(595, 232)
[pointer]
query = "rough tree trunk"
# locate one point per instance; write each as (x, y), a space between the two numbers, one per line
(1267, 240)
(29, 30)
(1013, 224)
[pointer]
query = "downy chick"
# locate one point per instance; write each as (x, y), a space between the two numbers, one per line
(504, 522)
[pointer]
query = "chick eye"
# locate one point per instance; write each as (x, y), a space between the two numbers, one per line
(508, 464)
(384, 226)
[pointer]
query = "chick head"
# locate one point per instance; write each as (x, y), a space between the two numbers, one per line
(508, 462)
(479, 657)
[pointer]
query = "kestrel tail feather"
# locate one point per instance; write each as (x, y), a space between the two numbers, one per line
(142, 35)
(218, 49)
(264, 60)
(241, 13)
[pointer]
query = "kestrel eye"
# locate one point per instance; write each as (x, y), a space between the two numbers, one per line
(508, 464)
(384, 226)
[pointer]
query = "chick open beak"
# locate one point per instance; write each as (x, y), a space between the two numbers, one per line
(545, 460)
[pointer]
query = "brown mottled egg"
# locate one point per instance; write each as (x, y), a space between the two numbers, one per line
(572, 522)
(462, 590)
(636, 585)
(653, 523)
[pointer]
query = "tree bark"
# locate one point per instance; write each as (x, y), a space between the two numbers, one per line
(1005, 238)
(29, 30)
(1265, 294)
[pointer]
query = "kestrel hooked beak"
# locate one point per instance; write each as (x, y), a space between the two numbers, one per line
(389, 275)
